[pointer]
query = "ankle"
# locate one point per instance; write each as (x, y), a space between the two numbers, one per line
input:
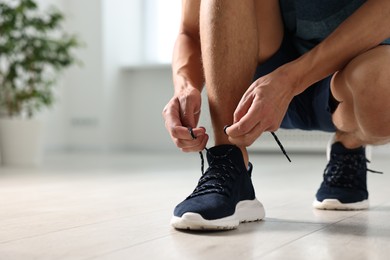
(245, 156)
(349, 141)
(243, 149)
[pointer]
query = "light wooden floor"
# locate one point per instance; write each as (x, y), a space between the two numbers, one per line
(119, 206)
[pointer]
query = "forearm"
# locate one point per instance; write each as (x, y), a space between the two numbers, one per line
(187, 69)
(363, 30)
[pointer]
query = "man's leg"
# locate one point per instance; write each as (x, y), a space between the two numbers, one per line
(362, 117)
(235, 36)
(363, 88)
(230, 42)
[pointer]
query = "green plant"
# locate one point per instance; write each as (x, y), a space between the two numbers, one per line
(34, 49)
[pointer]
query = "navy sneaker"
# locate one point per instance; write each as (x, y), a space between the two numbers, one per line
(224, 196)
(344, 186)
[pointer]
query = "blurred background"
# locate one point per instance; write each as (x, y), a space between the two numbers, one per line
(113, 102)
(111, 175)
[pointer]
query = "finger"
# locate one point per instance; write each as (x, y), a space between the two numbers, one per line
(190, 144)
(249, 138)
(191, 133)
(243, 106)
(171, 115)
(189, 113)
(190, 119)
(199, 147)
(173, 120)
(182, 133)
(245, 124)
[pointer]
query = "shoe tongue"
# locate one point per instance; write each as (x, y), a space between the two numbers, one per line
(339, 148)
(226, 152)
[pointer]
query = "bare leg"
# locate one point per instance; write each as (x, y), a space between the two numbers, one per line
(231, 50)
(363, 87)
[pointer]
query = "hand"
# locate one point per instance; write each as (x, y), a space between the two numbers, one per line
(261, 109)
(181, 113)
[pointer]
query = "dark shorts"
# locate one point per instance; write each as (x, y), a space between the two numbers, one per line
(313, 108)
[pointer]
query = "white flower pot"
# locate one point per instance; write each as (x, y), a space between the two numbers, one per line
(21, 142)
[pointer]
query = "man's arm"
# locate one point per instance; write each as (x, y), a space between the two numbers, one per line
(182, 112)
(363, 30)
(265, 103)
(187, 66)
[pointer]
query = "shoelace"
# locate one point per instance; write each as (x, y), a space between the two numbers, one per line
(335, 175)
(280, 146)
(215, 179)
(273, 134)
(221, 173)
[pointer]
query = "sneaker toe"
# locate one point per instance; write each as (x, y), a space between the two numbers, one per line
(344, 195)
(209, 206)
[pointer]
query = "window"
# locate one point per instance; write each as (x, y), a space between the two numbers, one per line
(161, 23)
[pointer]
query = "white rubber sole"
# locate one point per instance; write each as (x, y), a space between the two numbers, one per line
(335, 204)
(246, 211)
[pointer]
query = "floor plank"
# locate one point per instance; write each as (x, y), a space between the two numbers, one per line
(118, 206)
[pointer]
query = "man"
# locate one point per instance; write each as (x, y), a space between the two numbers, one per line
(318, 65)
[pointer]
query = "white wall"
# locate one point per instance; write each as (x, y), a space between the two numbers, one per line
(55, 116)
(106, 104)
(103, 105)
(77, 118)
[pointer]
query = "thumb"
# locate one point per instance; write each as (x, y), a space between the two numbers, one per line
(190, 116)
(190, 119)
(242, 108)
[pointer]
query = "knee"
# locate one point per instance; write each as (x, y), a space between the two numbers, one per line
(367, 74)
(379, 130)
(367, 79)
